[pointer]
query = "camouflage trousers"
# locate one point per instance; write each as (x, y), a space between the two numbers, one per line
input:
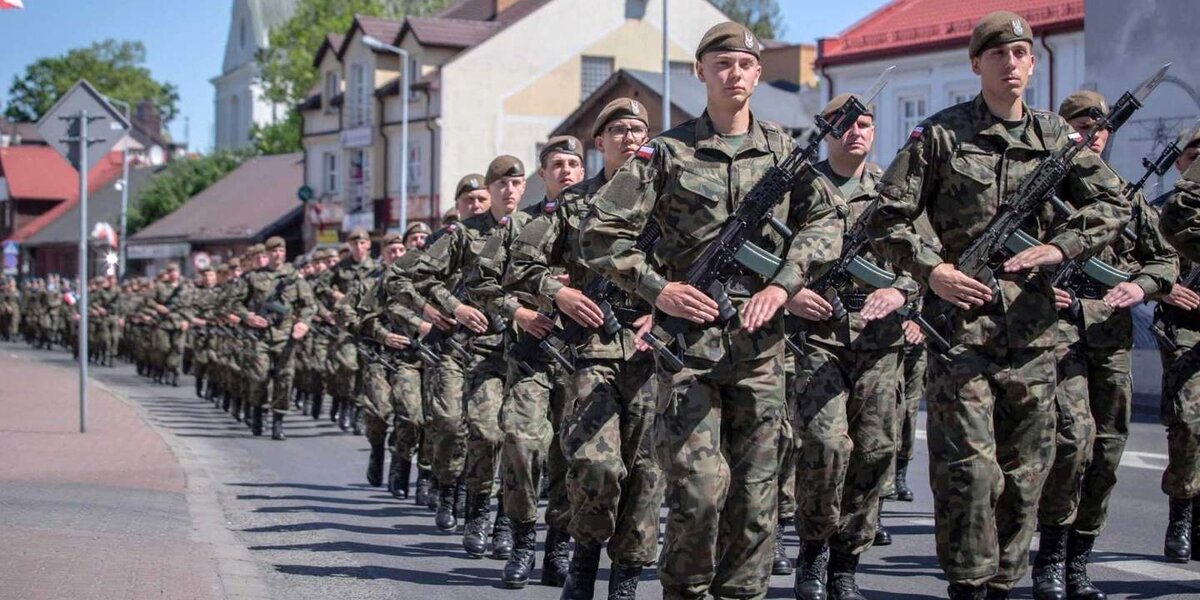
(347, 378)
(530, 417)
(445, 428)
(484, 397)
(911, 381)
(789, 447)
(716, 435)
(613, 479)
(10, 322)
(991, 441)
(393, 397)
(167, 349)
(1180, 413)
(845, 422)
(1094, 398)
(269, 370)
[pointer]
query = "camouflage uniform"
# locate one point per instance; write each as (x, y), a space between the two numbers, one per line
(10, 310)
(991, 423)
(1180, 220)
(343, 355)
(169, 331)
(281, 297)
(718, 419)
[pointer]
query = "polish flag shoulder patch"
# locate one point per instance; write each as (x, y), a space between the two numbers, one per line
(1074, 137)
(645, 152)
(916, 132)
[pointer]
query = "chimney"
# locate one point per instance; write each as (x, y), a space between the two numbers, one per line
(148, 118)
(503, 5)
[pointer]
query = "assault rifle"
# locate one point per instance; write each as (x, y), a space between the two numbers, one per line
(601, 291)
(732, 248)
(1166, 339)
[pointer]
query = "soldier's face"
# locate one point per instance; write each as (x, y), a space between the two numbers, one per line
(277, 256)
(1083, 126)
(261, 260)
(416, 241)
(1185, 160)
(506, 193)
(393, 252)
(856, 141)
(359, 249)
(171, 276)
(560, 171)
(473, 203)
(1004, 70)
(729, 77)
(619, 140)
(210, 278)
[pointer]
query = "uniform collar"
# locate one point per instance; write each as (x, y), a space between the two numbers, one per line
(708, 138)
(987, 124)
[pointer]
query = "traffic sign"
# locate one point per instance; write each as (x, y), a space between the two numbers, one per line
(62, 132)
(201, 261)
(305, 193)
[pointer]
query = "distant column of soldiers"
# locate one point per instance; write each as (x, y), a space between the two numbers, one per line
(562, 352)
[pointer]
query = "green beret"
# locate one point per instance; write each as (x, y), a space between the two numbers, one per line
(274, 242)
(468, 184)
(1000, 27)
(621, 108)
(729, 37)
(358, 233)
(564, 144)
(504, 166)
(840, 101)
(418, 227)
(1080, 103)
(391, 238)
(255, 249)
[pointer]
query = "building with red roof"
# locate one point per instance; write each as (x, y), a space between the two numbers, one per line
(927, 41)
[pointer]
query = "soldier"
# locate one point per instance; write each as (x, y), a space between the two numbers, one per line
(846, 392)
(1179, 219)
(203, 355)
(172, 297)
(1095, 390)
(991, 424)
(1177, 315)
(349, 271)
(613, 482)
(720, 416)
(10, 309)
(454, 256)
(415, 235)
(536, 391)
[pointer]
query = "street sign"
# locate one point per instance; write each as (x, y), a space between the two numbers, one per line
(305, 193)
(11, 248)
(201, 261)
(58, 131)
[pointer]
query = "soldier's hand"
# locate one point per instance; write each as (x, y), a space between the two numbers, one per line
(337, 295)
(299, 330)
(256, 321)
(199, 322)
(1182, 297)
(562, 278)
(642, 326)
(533, 322)
(397, 341)
(162, 310)
(579, 307)
(183, 325)
(957, 288)
(881, 303)
(1045, 255)
(913, 333)
(762, 307)
(1124, 295)
(470, 317)
(435, 317)
(686, 302)
(810, 306)
(1062, 298)
(424, 328)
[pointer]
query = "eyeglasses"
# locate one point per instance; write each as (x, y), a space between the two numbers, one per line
(619, 131)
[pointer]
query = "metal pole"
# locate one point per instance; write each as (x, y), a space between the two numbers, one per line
(666, 54)
(404, 90)
(82, 284)
(124, 209)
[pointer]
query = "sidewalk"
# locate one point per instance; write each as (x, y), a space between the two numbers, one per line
(98, 515)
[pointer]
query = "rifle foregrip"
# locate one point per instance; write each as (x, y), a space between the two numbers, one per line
(611, 325)
(725, 310)
(839, 309)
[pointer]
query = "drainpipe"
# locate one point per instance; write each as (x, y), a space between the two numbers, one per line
(383, 134)
(433, 203)
(1050, 70)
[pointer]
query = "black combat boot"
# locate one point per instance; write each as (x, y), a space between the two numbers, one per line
(460, 499)
(256, 427)
(623, 581)
(398, 476)
(557, 558)
(317, 400)
(581, 576)
(432, 500)
(199, 388)
(995, 593)
(882, 537)
(1079, 552)
(812, 563)
(1049, 564)
(422, 495)
(520, 559)
(1177, 546)
(334, 407)
(356, 421)
(446, 519)
(225, 399)
(375, 466)
(277, 427)
(781, 565)
(842, 567)
(345, 415)
(174, 379)
(962, 591)
(903, 492)
(478, 517)
(1196, 528)
(502, 533)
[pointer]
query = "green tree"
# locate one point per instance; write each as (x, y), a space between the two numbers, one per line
(763, 17)
(179, 181)
(114, 67)
(278, 138)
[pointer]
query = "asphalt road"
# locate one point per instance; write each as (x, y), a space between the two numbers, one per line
(316, 530)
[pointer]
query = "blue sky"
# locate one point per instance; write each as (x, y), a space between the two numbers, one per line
(185, 40)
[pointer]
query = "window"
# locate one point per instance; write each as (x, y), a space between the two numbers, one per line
(359, 177)
(333, 87)
(682, 68)
(235, 108)
(242, 33)
(596, 70)
(329, 162)
(414, 166)
(414, 67)
(960, 95)
(912, 112)
(359, 94)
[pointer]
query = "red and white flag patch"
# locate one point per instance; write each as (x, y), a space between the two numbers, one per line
(916, 132)
(645, 152)
(1075, 137)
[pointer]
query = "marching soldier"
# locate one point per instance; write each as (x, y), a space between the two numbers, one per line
(172, 297)
(991, 423)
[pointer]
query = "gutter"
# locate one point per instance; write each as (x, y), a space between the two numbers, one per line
(1050, 68)
(433, 207)
(386, 148)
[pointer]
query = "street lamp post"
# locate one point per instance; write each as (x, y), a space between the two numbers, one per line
(124, 192)
(406, 79)
(666, 55)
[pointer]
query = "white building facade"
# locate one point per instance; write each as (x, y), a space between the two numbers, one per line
(238, 100)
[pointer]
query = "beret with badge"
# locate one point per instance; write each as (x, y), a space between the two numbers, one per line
(729, 37)
(621, 108)
(996, 28)
(563, 144)
(504, 166)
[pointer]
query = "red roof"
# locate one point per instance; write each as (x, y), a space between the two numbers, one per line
(451, 33)
(908, 26)
(384, 30)
(45, 174)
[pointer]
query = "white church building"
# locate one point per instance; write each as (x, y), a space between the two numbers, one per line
(238, 100)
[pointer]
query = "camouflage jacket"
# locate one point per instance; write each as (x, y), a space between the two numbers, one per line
(958, 167)
(177, 299)
(549, 245)
(690, 181)
(1180, 221)
(342, 279)
(280, 296)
